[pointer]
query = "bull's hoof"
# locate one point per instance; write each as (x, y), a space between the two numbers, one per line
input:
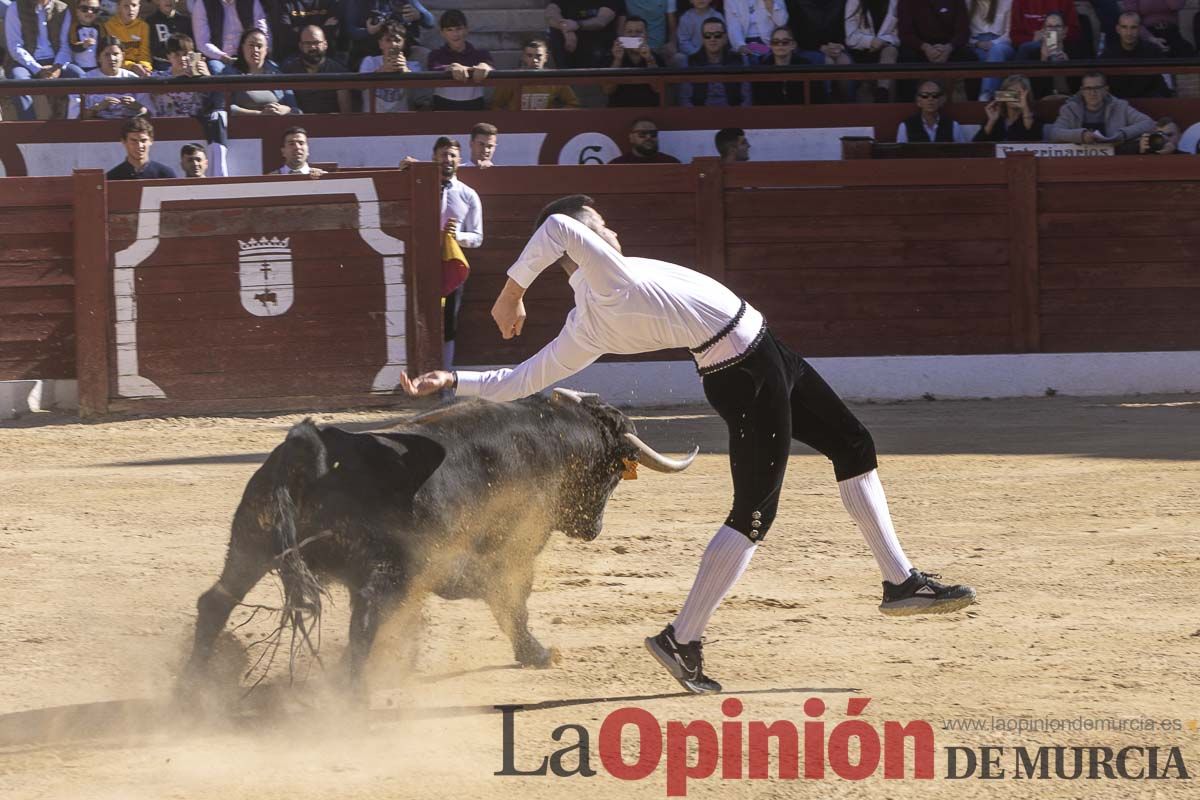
(544, 659)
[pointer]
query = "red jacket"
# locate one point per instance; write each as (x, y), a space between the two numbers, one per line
(1028, 15)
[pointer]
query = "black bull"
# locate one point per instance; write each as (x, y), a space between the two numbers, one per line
(458, 502)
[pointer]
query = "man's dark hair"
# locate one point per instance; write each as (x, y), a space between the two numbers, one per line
(446, 141)
(484, 129)
(190, 149)
(536, 43)
(453, 18)
(1061, 17)
(107, 42)
(713, 21)
(137, 125)
(292, 131)
(1163, 122)
(391, 28)
(637, 19)
(571, 205)
(1094, 74)
(727, 139)
(180, 43)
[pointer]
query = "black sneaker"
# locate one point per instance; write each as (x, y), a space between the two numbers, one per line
(685, 662)
(921, 594)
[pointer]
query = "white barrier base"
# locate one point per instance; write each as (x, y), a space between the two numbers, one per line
(652, 383)
(22, 397)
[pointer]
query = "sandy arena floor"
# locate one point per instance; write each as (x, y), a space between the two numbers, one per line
(1076, 519)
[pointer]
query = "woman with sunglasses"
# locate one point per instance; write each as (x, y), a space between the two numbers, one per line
(784, 93)
(928, 124)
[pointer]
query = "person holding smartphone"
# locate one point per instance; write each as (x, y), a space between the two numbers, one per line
(631, 50)
(1010, 114)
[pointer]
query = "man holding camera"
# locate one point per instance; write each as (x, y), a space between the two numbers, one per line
(1093, 116)
(1163, 140)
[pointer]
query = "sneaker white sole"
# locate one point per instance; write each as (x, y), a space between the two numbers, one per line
(673, 667)
(911, 606)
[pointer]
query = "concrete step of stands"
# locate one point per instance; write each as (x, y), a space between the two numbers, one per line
(499, 26)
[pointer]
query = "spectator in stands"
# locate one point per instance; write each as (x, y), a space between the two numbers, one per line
(219, 26)
(84, 34)
(293, 16)
(783, 93)
(463, 61)
(35, 32)
(1028, 28)
(207, 107)
(581, 32)
(750, 23)
(392, 43)
(482, 145)
(659, 16)
(462, 218)
(1010, 114)
(715, 53)
(137, 135)
(165, 21)
(933, 31)
(687, 32)
(1165, 143)
(820, 30)
(1053, 43)
(252, 60)
(112, 106)
(872, 37)
(1094, 116)
(534, 54)
(928, 124)
(295, 155)
(193, 162)
(632, 95)
(643, 146)
(134, 34)
(1160, 19)
(1130, 46)
(732, 145)
(990, 21)
(313, 59)
(365, 18)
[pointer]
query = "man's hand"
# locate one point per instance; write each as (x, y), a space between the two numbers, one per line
(480, 71)
(458, 72)
(451, 226)
(509, 309)
(427, 384)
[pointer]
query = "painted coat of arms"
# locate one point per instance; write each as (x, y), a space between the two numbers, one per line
(265, 275)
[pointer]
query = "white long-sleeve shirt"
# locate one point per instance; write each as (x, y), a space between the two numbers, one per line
(43, 48)
(462, 202)
(231, 32)
(998, 27)
(749, 18)
(623, 305)
(860, 32)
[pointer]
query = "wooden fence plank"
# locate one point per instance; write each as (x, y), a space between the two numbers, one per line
(93, 290)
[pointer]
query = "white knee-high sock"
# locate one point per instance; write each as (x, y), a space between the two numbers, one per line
(723, 563)
(864, 498)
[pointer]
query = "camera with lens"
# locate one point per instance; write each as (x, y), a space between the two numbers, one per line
(1155, 142)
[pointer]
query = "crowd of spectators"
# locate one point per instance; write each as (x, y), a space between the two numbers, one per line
(51, 39)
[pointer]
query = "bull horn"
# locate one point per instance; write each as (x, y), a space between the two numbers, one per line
(565, 396)
(654, 460)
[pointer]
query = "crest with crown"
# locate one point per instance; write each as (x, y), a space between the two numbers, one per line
(265, 246)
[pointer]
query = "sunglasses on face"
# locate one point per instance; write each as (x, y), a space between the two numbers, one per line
(782, 42)
(646, 134)
(929, 95)
(714, 36)
(90, 9)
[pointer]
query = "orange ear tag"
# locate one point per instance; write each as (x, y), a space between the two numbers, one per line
(630, 471)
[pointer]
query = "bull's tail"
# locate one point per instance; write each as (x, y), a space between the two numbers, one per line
(299, 463)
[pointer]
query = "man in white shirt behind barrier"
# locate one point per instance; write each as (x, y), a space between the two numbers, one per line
(766, 394)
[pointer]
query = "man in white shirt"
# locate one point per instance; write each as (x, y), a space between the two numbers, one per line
(218, 26)
(295, 155)
(462, 218)
(635, 305)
